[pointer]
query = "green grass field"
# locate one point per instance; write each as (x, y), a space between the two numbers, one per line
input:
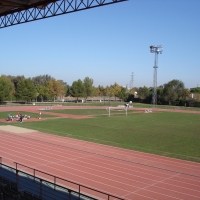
(170, 134)
(96, 112)
(106, 103)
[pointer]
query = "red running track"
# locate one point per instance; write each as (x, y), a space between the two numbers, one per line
(128, 174)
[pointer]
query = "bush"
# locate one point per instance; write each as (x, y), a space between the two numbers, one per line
(197, 104)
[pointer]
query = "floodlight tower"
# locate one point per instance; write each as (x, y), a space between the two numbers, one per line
(157, 50)
(132, 80)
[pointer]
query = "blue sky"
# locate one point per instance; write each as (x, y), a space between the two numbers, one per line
(108, 43)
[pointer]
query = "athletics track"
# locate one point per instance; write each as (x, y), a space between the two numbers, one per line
(128, 174)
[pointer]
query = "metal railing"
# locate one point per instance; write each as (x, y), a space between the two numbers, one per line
(67, 187)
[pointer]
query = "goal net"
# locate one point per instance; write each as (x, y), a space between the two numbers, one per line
(116, 110)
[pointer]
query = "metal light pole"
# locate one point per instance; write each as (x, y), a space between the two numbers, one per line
(131, 83)
(155, 49)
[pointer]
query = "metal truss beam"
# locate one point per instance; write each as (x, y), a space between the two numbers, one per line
(52, 9)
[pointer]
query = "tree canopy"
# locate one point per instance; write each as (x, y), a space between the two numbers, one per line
(6, 88)
(122, 94)
(88, 85)
(195, 90)
(46, 87)
(174, 91)
(77, 89)
(55, 88)
(143, 92)
(26, 90)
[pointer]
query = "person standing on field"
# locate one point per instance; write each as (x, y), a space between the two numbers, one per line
(20, 118)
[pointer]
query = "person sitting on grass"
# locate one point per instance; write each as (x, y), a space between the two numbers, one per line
(9, 118)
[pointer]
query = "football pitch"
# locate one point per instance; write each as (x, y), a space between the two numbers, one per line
(169, 134)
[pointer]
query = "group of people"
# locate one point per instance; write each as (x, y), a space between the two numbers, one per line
(18, 117)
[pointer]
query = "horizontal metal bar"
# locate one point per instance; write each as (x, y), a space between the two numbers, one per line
(52, 9)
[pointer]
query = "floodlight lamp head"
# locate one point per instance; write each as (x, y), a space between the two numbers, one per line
(156, 49)
(159, 49)
(151, 49)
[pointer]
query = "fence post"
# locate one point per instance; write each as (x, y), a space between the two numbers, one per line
(34, 174)
(79, 188)
(41, 188)
(17, 178)
(16, 174)
(69, 195)
(54, 182)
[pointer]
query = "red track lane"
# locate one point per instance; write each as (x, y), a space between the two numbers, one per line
(127, 174)
(146, 159)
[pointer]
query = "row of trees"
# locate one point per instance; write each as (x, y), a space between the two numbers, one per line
(28, 89)
(45, 87)
(172, 92)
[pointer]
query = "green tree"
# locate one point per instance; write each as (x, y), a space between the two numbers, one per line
(159, 94)
(15, 80)
(116, 89)
(109, 91)
(6, 88)
(77, 89)
(26, 90)
(88, 84)
(41, 80)
(174, 91)
(122, 94)
(42, 92)
(101, 90)
(96, 92)
(195, 90)
(143, 92)
(132, 91)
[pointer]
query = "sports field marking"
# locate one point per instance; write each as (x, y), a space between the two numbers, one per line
(103, 149)
(139, 188)
(184, 165)
(171, 163)
(153, 184)
(81, 170)
(15, 129)
(55, 153)
(115, 143)
(61, 158)
(89, 159)
(68, 172)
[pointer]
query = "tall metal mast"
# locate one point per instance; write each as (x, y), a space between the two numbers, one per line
(131, 82)
(155, 49)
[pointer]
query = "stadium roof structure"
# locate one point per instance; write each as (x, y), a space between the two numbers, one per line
(13, 12)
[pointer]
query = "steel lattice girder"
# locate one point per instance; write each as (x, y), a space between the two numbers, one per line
(41, 11)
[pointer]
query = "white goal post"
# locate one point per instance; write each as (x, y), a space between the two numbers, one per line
(119, 108)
